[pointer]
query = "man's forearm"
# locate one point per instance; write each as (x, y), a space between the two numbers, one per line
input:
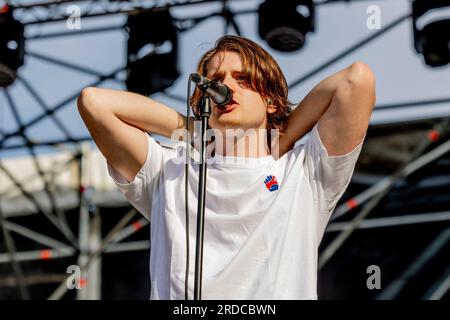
(311, 108)
(136, 110)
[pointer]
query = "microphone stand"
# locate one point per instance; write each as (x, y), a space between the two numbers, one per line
(205, 112)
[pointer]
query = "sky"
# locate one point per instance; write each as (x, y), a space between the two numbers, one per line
(401, 74)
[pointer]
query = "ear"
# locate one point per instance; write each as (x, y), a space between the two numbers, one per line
(271, 107)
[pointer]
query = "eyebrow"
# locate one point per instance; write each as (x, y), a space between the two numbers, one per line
(221, 74)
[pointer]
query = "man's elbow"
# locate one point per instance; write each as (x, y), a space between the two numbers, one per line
(87, 99)
(362, 80)
(361, 75)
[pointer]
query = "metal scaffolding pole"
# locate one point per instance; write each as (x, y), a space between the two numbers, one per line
(89, 236)
(393, 221)
(128, 246)
(93, 288)
(74, 32)
(129, 230)
(124, 8)
(44, 254)
(33, 235)
(66, 251)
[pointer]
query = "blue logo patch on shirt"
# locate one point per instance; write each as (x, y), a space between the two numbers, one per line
(271, 183)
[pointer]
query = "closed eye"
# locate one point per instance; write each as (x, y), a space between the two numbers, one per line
(242, 80)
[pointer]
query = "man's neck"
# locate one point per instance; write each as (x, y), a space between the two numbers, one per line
(244, 144)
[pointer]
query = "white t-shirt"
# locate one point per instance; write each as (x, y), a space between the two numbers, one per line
(264, 219)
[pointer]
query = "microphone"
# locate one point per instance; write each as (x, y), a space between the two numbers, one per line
(219, 92)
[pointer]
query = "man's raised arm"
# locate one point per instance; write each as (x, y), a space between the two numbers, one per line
(342, 104)
(117, 120)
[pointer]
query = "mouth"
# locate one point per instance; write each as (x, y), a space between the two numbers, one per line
(228, 107)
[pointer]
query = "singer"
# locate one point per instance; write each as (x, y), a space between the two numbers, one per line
(265, 214)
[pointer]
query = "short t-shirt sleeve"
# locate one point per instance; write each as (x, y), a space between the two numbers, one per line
(328, 176)
(140, 191)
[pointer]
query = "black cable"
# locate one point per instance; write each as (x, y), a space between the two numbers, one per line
(186, 194)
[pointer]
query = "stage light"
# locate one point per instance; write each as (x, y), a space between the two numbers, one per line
(12, 46)
(433, 39)
(284, 24)
(152, 52)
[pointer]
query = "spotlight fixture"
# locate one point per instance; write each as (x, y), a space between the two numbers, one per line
(284, 24)
(152, 52)
(433, 39)
(12, 46)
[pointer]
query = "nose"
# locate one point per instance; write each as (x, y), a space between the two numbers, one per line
(230, 83)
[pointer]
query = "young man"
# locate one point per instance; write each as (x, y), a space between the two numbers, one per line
(265, 215)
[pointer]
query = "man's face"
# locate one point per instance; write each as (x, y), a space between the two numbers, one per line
(247, 109)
